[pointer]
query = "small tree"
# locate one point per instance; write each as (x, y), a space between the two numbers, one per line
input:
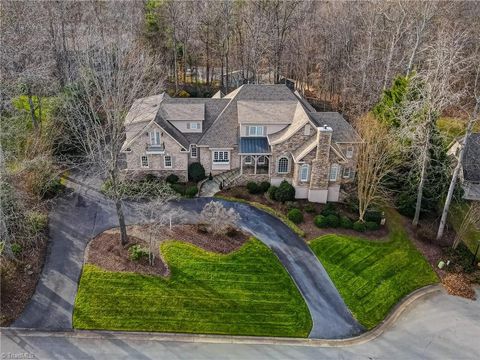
(217, 218)
(196, 172)
(285, 192)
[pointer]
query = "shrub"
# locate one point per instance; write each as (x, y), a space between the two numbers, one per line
(231, 231)
(137, 252)
(172, 179)
(333, 220)
(264, 186)
(310, 208)
(272, 192)
(183, 94)
(345, 222)
(150, 178)
(217, 218)
(17, 249)
(295, 216)
(191, 191)
(359, 226)
(37, 222)
(285, 192)
(252, 187)
(292, 205)
(329, 209)
(196, 172)
(373, 216)
(179, 188)
(320, 221)
(372, 225)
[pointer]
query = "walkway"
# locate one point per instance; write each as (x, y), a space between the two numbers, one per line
(85, 213)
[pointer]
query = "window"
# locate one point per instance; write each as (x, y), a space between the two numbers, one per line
(144, 161)
(304, 172)
(347, 172)
(333, 172)
(349, 152)
(306, 130)
(193, 126)
(193, 151)
(167, 161)
(248, 160)
(262, 160)
(155, 137)
(221, 157)
(282, 165)
(255, 130)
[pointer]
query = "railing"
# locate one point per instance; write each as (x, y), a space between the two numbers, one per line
(155, 149)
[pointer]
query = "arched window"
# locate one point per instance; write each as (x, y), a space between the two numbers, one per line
(304, 170)
(283, 165)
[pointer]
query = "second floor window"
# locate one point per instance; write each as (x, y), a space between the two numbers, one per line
(155, 137)
(193, 152)
(255, 130)
(193, 126)
(349, 152)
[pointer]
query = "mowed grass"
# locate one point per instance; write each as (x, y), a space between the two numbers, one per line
(373, 276)
(247, 292)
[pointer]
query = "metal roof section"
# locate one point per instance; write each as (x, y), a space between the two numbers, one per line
(254, 145)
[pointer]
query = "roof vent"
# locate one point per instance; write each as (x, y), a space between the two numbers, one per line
(325, 126)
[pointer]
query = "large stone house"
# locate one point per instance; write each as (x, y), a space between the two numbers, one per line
(257, 132)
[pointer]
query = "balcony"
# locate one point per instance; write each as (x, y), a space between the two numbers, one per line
(155, 149)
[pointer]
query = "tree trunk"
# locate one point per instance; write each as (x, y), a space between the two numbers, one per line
(175, 62)
(423, 173)
(32, 110)
(453, 182)
(121, 222)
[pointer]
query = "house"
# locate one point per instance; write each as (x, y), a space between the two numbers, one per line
(470, 166)
(256, 133)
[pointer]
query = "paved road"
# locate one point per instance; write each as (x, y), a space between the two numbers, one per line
(85, 213)
(437, 327)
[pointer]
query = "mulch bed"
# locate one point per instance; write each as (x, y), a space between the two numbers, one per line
(106, 252)
(458, 284)
(19, 282)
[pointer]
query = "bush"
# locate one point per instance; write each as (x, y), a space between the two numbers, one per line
(191, 191)
(179, 188)
(272, 192)
(295, 216)
(17, 249)
(329, 209)
(310, 208)
(333, 220)
(359, 226)
(196, 172)
(137, 252)
(373, 216)
(345, 222)
(292, 205)
(37, 222)
(372, 225)
(172, 179)
(320, 221)
(253, 188)
(285, 192)
(231, 231)
(264, 186)
(183, 94)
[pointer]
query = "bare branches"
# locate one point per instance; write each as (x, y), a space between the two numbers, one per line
(217, 218)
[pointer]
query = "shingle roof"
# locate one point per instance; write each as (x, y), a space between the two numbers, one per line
(254, 145)
(144, 109)
(181, 111)
(266, 112)
(342, 130)
(471, 158)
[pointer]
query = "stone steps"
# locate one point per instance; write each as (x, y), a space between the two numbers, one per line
(227, 177)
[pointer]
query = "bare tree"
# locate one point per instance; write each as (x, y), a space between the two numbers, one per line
(376, 160)
(217, 218)
(112, 75)
(470, 220)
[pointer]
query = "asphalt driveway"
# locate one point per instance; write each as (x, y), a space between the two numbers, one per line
(84, 213)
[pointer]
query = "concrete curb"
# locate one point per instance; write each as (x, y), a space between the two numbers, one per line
(403, 305)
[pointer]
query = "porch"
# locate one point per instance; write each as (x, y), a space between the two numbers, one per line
(254, 156)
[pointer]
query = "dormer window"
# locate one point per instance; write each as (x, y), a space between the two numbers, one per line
(349, 152)
(193, 126)
(306, 130)
(255, 130)
(155, 137)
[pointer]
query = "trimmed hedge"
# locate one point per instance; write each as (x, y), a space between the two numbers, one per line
(329, 209)
(345, 222)
(264, 186)
(272, 192)
(285, 192)
(372, 225)
(172, 179)
(253, 188)
(359, 226)
(333, 221)
(320, 221)
(196, 172)
(295, 216)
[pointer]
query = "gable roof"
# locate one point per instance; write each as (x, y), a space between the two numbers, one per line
(144, 109)
(186, 111)
(471, 158)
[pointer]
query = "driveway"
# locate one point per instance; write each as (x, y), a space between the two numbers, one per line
(83, 214)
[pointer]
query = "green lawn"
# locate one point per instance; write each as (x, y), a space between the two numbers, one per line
(247, 292)
(373, 276)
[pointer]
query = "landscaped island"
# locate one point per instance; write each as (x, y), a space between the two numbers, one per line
(244, 292)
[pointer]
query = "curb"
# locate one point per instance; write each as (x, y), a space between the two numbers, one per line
(404, 304)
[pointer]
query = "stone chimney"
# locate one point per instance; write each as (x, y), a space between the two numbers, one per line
(321, 164)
